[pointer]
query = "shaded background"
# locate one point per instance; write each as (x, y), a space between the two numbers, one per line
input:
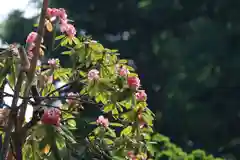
(187, 54)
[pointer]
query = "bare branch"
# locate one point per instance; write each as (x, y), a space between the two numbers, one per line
(13, 115)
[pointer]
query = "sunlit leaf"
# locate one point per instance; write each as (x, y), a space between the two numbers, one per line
(126, 131)
(60, 37)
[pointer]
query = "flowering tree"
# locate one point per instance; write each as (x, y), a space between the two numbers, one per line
(123, 131)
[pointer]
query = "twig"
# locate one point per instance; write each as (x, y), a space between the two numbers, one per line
(60, 88)
(2, 91)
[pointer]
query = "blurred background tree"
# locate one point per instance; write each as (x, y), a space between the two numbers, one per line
(187, 54)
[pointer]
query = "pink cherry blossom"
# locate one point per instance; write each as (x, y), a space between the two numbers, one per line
(30, 50)
(62, 14)
(102, 121)
(53, 62)
(71, 101)
(93, 74)
(52, 12)
(133, 82)
(63, 25)
(131, 155)
(141, 95)
(71, 31)
(123, 71)
(51, 116)
(31, 37)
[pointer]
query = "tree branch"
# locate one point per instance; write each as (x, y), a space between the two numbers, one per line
(31, 75)
(12, 115)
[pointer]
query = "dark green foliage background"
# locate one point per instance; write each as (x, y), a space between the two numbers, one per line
(187, 54)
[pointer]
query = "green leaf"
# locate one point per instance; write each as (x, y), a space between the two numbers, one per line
(97, 130)
(115, 112)
(152, 148)
(108, 141)
(94, 123)
(67, 134)
(126, 131)
(64, 41)
(60, 37)
(72, 124)
(67, 53)
(60, 142)
(83, 74)
(116, 124)
(108, 108)
(147, 118)
(160, 138)
(118, 158)
(76, 41)
(123, 61)
(130, 115)
(111, 133)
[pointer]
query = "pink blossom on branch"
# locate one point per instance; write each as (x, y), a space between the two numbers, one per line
(63, 25)
(141, 95)
(31, 37)
(51, 116)
(71, 31)
(52, 12)
(93, 75)
(102, 121)
(123, 71)
(53, 62)
(71, 101)
(133, 82)
(62, 14)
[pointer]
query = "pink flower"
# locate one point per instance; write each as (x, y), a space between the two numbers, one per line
(133, 82)
(131, 155)
(53, 62)
(93, 74)
(51, 116)
(63, 25)
(31, 37)
(52, 12)
(102, 121)
(71, 31)
(30, 50)
(141, 95)
(62, 14)
(71, 101)
(123, 72)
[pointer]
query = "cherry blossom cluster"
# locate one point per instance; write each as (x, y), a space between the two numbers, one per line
(31, 38)
(65, 27)
(93, 75)
(70, 101)
(132, 156)
(102, 121)
(61, 15)
(133, 81)
(53, 63)
(51, 116)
